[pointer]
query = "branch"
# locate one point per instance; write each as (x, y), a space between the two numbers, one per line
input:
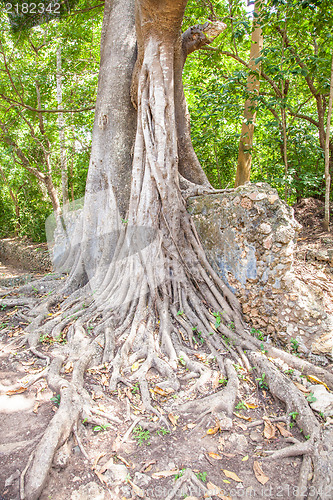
(30, 108)
(200, 35)
(304, 117)
(262, 73)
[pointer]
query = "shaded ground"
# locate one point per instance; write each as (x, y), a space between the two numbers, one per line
(130, 454)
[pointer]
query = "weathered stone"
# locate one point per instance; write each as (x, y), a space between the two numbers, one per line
(324, 400)
(89, 491)
(249, 238)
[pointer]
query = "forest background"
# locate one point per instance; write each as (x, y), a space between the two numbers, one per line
(48, 84)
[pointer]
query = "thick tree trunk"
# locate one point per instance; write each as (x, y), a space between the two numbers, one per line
(246, 140)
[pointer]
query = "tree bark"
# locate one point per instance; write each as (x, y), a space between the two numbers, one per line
(253, 83)
(61, 127)
(326, 222)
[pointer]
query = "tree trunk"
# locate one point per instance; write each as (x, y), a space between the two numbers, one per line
(253, 83)
(61, 127)
(326, 222)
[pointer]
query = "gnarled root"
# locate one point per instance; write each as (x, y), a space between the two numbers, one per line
(72, 400)
(316, 476)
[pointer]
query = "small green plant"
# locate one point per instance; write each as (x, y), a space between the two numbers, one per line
(258, 334)
(179, 474)
(3, 325)
(124, 221)
(291, 425)
(135, 388)
(162, 431)
(180, 312)
(290, 371)
(294, 345)
(141, 435)
(181, 361)
(56, 399)
(226, 339)
(262, 381)
(202, 476)
(102, 427)
(218, 319)
(3, 306)
(241, 406)
(311, 398)
(199, 336)
(307, 437)
(231, 325)
(223, 381)
(293, 414)
(262, 348)
(322, 415)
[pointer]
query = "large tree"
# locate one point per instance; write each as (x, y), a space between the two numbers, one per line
(139, 275)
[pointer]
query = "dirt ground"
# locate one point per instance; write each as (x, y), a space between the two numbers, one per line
(132, 455)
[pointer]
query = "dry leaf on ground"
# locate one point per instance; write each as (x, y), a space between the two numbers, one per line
(283, 431)
(213, 430)
(259, 473)
(269, 429)
(16, 391)
(216, 456)
(164, 473)
(232, 475)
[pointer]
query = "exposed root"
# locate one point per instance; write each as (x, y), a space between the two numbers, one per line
(317, 450)
(192, 482)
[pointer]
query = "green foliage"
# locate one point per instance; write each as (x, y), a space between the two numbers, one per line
(262, 381)
(141, 435)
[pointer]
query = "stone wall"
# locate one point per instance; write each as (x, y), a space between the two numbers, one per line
(249, 237)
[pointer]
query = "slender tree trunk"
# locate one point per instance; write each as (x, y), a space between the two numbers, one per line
(246, 140)
(61, 126)
(14, 200)
(326, 222)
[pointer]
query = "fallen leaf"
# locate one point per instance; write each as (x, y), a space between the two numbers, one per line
(138, 491)
(135, 366)
(124, 461)
(250, 406)
(316, 381)
(269, 429)
(147, 466)
(283, 431)
(100, 476)
(245, 459)
(213, 326)
(226, 481)
(242, 426)
(243, 417)
(301, 387)
(258, 472)
(28, 363)
(173, 419)
(163, 392)
(216, 456)
(215, 381)
(16, 391)
(36, 406)
(232, 475)
(106, 465)
(68, 367)
(229, 455)
(164, 473)
(191, 425)
(97, 459)
(214, 430)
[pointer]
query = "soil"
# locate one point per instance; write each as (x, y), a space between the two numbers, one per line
(153, 459)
